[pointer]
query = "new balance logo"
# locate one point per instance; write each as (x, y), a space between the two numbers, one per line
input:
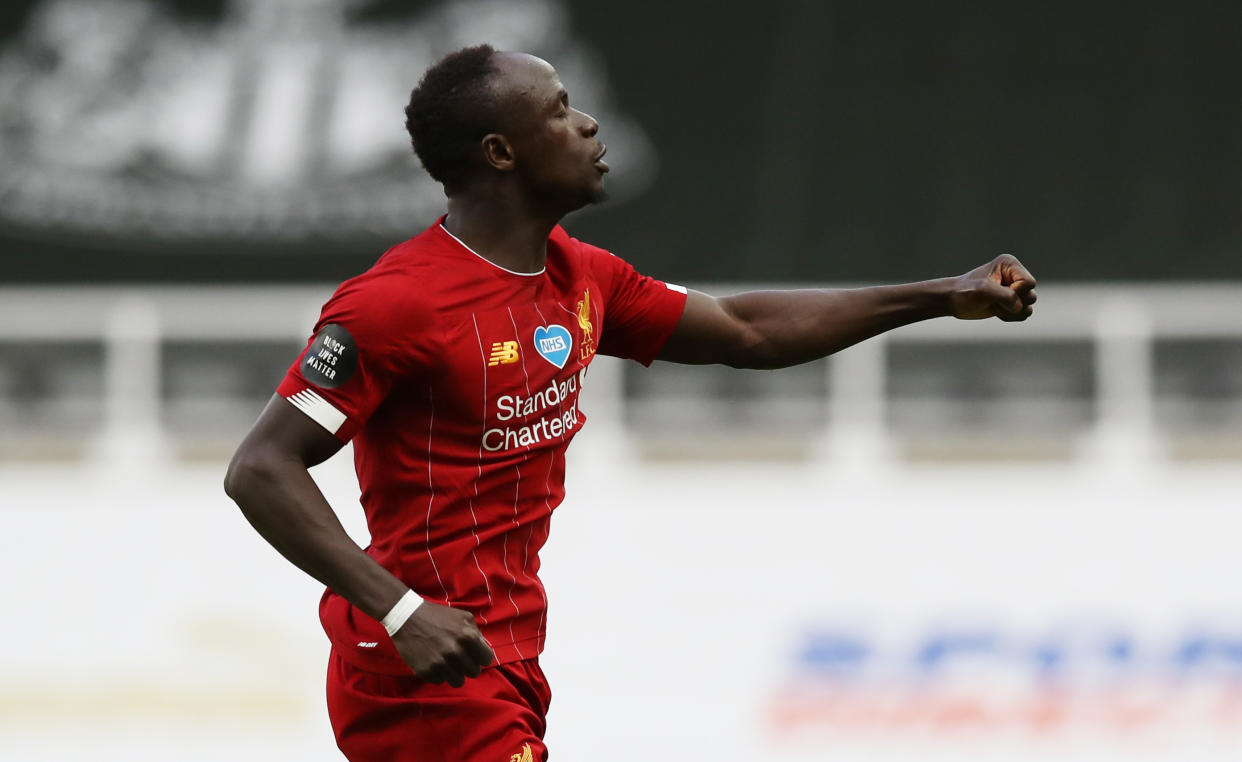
(503, 353)
(524, 755)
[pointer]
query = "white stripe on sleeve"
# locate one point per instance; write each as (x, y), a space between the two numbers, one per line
(318, 410)
(675, 287)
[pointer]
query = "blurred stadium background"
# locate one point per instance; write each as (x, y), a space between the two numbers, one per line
(961, 541)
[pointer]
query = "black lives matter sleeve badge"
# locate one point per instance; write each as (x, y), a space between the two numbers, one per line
(331, 358)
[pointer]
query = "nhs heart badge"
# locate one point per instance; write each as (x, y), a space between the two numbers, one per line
(553, 342)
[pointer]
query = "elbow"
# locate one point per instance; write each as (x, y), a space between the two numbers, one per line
(245, 470)
(748, 344)
(235, 477)
(753, 351)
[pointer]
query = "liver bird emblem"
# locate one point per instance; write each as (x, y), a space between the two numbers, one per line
(584, 322)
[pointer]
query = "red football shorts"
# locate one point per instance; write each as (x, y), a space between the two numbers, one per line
(495, 717)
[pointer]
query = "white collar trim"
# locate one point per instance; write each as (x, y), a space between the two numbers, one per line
(490, 262)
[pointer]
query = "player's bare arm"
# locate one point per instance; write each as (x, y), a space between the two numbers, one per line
(776, 329)
(268, 478)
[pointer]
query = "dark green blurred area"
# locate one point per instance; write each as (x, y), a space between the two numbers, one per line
(859, 141)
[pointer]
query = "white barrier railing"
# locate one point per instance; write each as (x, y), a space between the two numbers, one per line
(1122, 322)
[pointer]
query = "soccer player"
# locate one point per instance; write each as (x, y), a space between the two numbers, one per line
(454, 365)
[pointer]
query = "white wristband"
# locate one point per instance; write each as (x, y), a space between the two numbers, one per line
(400, 612)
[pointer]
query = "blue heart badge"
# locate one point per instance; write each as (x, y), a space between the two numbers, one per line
(553, 342)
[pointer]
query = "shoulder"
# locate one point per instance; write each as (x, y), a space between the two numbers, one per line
(391, 298)
(383, 317)
(563, 240)
(603, 264)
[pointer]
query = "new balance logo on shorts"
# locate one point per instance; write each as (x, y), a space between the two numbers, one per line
(524, 755)
(503, 353)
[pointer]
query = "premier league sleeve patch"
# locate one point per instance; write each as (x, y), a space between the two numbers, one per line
(331, 358)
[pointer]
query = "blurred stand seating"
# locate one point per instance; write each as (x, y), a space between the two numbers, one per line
(1106, 372)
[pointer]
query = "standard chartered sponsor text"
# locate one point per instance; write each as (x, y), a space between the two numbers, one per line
(545, 428)
(516, 406)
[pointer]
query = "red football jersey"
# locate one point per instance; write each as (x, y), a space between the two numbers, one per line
(458, 382)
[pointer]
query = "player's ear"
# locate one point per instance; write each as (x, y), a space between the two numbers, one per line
(498, 151)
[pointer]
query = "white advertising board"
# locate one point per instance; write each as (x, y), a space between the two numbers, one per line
(730, 612)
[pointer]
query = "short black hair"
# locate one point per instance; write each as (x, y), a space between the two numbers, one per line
(450, 111)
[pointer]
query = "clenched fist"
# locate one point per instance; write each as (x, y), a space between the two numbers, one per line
(1002, 288)
(443, 644)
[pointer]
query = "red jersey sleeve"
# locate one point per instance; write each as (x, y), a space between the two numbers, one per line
(373, 332)
(640, 312)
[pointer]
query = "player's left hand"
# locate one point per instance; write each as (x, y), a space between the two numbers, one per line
(1002, 288)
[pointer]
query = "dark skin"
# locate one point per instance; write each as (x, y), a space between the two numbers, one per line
(545, 164)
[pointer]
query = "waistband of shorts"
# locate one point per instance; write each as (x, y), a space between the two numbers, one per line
(382, 663)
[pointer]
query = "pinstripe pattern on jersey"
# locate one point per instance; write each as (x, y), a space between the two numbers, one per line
(431, 487)
(560, 408)
(474, 318)
(517, 487)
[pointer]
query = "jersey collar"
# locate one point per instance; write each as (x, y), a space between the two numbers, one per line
(461, 243)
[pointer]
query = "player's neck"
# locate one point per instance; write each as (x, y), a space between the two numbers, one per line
(507, 235)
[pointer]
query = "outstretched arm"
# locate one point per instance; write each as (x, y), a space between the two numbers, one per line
(776, 329)
(269, 481)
